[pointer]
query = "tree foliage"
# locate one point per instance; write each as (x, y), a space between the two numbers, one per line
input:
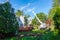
(41, 16)
(19, 13)
(56, 18)
(8, 22)
(56, 3)
(52, 11)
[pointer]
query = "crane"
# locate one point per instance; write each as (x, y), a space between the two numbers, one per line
(42, 25)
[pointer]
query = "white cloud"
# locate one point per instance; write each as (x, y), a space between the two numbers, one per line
(29, 10)
(22, 8)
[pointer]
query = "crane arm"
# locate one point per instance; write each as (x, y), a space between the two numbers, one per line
(36, 17)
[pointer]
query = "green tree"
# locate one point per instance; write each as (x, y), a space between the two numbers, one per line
(8, 22)
(41, 16)
(52, 12)
(19, 13)
(56, 3)
(56, 19)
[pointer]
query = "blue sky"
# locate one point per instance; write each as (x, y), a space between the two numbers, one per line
(38, 5)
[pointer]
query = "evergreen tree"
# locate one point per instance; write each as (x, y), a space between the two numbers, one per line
(8, 22)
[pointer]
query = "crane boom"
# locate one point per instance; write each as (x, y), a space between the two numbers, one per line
(36, 17)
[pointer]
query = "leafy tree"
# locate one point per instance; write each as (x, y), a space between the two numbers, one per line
(8, 22)
(19, 13)
(56, 18)
(41, 16)
(52, 12)
(56, 3)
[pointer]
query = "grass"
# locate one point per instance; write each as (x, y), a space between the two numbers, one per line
(12, 38)
(29, 38)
